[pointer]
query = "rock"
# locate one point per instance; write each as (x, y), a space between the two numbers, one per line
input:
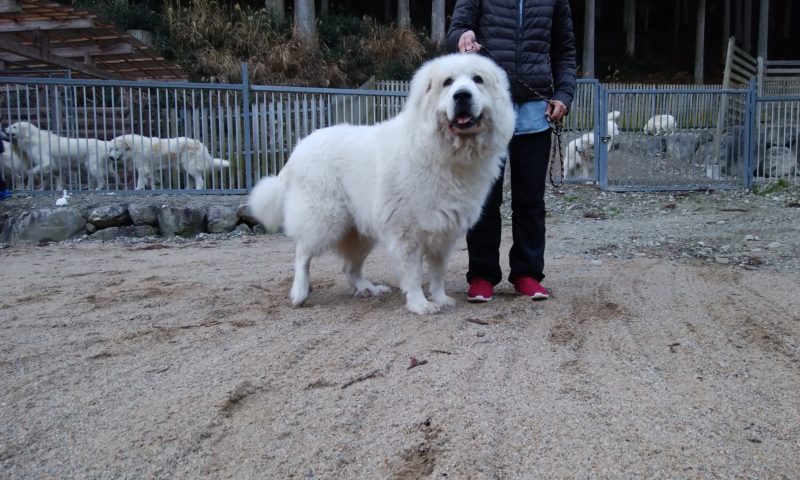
(45, 224)
(682, 145)
(244, 213)
(125, 231)
(777, 162)
(143, 214)
(109, 216)
(90, 228)
(751, 238)
(731, 152)
(244, 229)
(259, 230)
(774, 245)
(655, 145)
(185, 222)
(221, 219)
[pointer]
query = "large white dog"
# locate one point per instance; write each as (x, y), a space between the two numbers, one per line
(14, 164)
(579, 156)
(416, 182)
(660, 123)
(53, 154)
(151, 155)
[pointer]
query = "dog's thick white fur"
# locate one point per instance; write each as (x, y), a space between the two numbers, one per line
(579, 156)
(151, 155)
(416, 182)
(50, 153)
(14, 164)
(660, 123)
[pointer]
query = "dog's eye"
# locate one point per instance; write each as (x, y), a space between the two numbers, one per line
(477, 79)
(448, 82)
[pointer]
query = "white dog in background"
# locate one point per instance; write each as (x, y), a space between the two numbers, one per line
(53, 154)
(151, 155)
(660, 123)
(15, 164)
(416, 182)
(579, 156)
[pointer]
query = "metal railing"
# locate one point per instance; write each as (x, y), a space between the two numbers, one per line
(221, 138)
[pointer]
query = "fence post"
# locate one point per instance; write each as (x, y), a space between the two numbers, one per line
(247, 125)
(752, 122)
(600, 127)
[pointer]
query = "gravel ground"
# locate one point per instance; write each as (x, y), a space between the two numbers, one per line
(670, 349)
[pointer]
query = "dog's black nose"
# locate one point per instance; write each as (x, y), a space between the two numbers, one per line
(462, 96)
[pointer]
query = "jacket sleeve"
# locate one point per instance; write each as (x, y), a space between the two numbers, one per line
(563, 54)
(466, 15)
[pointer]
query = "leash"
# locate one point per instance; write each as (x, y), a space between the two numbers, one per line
(556, 127)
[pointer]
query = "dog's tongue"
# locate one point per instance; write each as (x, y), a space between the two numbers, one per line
(463, 120)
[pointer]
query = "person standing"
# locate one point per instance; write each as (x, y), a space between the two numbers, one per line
(534, 42)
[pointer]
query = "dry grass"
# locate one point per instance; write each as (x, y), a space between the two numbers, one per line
(211, 40)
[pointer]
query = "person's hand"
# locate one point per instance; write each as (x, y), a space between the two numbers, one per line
(555, 110)
(468, 43)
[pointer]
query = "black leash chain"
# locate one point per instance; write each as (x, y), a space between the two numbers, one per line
(556, 127)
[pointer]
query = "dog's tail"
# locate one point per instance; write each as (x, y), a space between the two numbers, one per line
(266, 202)
(218, 162)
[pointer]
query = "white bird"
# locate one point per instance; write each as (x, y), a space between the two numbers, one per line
(63, 200)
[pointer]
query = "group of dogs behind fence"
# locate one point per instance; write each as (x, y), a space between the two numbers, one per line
(33, 154)
(579, 155)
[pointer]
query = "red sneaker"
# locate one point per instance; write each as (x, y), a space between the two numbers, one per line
(480, 290)
(530, 287)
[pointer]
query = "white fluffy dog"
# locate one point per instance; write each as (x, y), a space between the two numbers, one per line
(579, 156)
(416, 182)
(14, 164)
(52, 154)
(151, 155)
(613, 129)
(660, 123)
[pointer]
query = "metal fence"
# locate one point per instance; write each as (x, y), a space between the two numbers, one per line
(129, 136)
(220, 138)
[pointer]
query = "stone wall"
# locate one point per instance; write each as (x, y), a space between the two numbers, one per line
(54, 224)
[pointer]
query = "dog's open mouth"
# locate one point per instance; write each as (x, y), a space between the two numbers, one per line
(465, 123)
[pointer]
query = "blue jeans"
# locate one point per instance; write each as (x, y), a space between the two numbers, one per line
(529, 155)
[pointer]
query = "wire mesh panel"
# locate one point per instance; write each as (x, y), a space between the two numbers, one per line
(281, 117)
(117, 136)
(676, 139)
(777, 152)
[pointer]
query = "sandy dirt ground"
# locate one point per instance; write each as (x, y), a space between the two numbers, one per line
(670, 349)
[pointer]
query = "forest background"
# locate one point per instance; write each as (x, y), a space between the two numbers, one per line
(343, 43)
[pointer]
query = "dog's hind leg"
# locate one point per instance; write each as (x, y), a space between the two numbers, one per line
(302, 282)
(354, 249)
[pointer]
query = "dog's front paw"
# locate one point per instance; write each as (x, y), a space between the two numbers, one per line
(444, 301)
(423, 308)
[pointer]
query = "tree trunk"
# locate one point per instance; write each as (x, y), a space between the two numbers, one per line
(700, 45)
(437, 22)
(324, 8)
(676, 24)
(787, 20)
(763, 29)
(588, 40)
(305, 22)
(630, 14)
(747, 18)
(403, 13)
(738, 24)
(387, 10)
(646, 16)
(276, 7)
(726, 28)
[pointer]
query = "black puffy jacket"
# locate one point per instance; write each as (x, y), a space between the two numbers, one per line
(533, 40)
